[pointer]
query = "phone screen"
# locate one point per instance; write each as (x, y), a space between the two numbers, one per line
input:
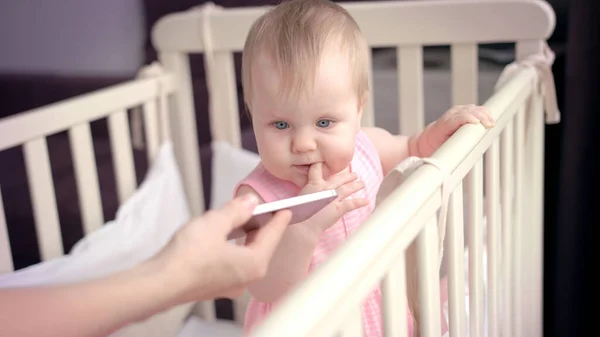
(302, 207)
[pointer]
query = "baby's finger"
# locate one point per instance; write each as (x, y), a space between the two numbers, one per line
(348, 189)
(349, 205)
(315, 173)
(341, 179)
(455, 110)
(485, 116)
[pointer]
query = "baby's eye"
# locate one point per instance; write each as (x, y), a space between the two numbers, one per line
(280, 125)
(323, 123)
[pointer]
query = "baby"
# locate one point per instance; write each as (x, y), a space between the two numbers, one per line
(305, 78)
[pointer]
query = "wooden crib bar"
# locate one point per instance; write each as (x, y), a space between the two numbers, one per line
(120, 143)
(393, 289)
(86, 177)
(151, 128)
(456, 266)
(506, 192)
(533, 168)
(464, 70)
(6, 263)
(530, 19)
(474, 186)
(368, 116)
(517, 251)
(183, 128)
(492, 194)
(410, 89)
(41, 187)
(18, 129)
(224, 114)
(429, 283)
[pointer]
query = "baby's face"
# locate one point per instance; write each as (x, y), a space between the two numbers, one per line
(319, 125)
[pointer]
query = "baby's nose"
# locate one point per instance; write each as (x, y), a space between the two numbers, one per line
(303, 143)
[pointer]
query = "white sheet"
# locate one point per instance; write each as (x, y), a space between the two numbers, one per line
(229, 166)
(196, 327)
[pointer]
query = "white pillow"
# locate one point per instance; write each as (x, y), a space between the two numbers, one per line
(143, 225)
(229, 166)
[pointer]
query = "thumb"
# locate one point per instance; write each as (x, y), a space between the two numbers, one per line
(236, 212)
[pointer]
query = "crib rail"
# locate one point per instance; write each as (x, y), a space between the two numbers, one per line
(325, 303)
(31, 128)
(221, 32)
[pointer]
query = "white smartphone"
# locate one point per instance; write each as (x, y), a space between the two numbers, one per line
(302, 208)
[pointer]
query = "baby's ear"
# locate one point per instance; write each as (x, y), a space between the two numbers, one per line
(247, 110)
(363, 100)
(361, 103)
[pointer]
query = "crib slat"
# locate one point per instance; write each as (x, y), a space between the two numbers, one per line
(120, 141)
(475, 227)
(368, 116)
(506, 159)
(151, 129)
(6, 264)
(42, 121)
(224, 115)
(534, 233)
(429, 282)
(86, 176)
(410, 89)
(517, 225)
(163, 117)
(239, 307)
(393, 291)
(492, 196)
(353, 326)
(183, 133)
(464, 64)
(456, 253)
(533, 212)
(41, 188)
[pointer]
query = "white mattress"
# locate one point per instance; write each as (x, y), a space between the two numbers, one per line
(197, 327)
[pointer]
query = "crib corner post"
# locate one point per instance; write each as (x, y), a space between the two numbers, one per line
(182, 121)
(531, 276)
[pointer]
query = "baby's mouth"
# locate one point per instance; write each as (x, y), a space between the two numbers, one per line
(302, 168)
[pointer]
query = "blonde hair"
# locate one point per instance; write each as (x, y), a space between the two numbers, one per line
(294, 35)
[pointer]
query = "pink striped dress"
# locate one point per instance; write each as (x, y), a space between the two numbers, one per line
(367, 165)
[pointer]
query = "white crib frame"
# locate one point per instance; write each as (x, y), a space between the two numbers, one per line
(325, 303)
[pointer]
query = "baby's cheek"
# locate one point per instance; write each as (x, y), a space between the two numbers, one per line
(340, 159)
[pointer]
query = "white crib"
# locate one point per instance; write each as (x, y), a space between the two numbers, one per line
(398, 245)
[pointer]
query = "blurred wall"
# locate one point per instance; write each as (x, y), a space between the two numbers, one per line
(71, 37)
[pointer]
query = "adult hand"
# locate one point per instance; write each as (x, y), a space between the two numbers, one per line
(204, 265)
(197, 264)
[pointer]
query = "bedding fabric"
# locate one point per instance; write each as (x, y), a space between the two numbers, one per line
(229, 166)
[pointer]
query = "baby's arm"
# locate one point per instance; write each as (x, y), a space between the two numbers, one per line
(291, 260)
(289, 263)
(393, 149)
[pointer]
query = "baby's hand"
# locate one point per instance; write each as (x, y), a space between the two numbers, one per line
(345, 184)
(439, 131)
